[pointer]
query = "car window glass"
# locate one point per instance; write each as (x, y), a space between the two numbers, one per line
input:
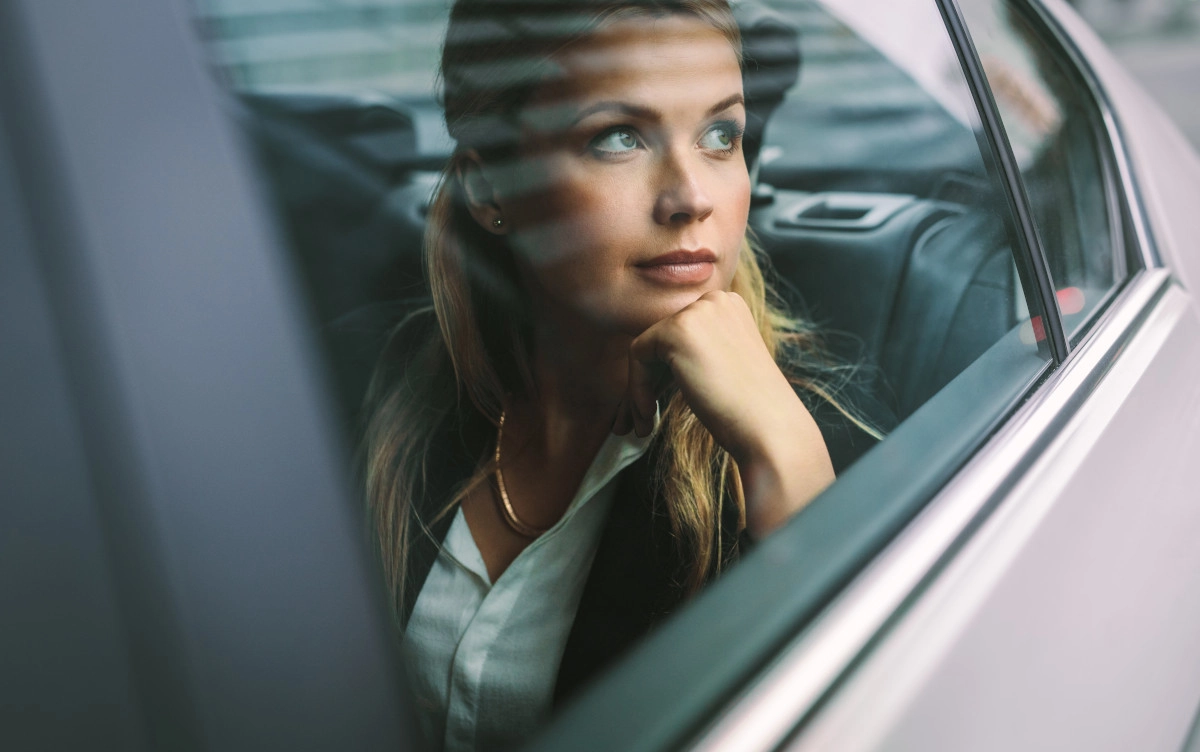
(1056, 131)
(874, 200)
(881, 124)
(318, 45)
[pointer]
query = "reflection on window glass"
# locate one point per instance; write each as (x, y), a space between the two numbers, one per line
(885, 220)
(334, 46)
(618, 299)
(1054, 129)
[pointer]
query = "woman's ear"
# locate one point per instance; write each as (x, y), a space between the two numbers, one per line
(480, 193)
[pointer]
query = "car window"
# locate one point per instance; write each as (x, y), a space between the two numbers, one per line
(881, 126)
(880, 221)
(265, 45)
(1056, 133)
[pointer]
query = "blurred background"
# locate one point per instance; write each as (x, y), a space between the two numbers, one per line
(392, 45)
(1159, 40)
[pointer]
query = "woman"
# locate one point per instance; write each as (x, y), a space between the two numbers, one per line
(604, 405)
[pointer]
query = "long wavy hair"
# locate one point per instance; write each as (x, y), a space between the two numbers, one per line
(496, 53)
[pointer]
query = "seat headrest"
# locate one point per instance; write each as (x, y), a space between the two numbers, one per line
(771, 50)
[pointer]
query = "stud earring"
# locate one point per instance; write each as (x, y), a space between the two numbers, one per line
(497, 223)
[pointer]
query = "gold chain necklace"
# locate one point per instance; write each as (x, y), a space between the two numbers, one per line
(506, 508)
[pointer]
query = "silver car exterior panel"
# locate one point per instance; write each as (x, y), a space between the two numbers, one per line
(1068, 620)
(806, 673)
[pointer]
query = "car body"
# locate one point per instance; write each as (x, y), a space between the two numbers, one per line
(1015, 566)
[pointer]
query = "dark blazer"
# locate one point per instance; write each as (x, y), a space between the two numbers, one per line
(635, 578)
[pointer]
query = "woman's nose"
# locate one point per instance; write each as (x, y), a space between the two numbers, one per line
(682, 197)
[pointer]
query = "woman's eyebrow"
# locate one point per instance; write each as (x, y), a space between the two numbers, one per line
(625, 108)
(649, 113)
(726, 103)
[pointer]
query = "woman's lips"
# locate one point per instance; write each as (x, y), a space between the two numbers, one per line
(680, 267)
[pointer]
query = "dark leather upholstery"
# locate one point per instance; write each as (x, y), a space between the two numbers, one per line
(771, 55)
(957, 298)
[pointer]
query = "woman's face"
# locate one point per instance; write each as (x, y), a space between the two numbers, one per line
(631, 195)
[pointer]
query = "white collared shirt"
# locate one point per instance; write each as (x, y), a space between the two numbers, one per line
(483, 657)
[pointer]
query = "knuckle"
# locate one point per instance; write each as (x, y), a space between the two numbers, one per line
(687, 321)
(680, 330)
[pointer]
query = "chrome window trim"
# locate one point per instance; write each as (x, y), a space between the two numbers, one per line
(793, 688)
(1134, 205)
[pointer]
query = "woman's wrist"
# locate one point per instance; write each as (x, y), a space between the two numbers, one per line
(786, 471)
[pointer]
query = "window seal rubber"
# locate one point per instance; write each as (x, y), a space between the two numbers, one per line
(1027, 237)
(1132, 245)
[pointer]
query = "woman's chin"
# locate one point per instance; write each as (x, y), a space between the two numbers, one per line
(630, 312)
(637, 321)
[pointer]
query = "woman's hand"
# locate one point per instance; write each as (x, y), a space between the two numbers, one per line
(714, 353)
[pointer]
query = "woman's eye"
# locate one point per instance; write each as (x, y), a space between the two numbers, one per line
(616, 141)
(719, 138)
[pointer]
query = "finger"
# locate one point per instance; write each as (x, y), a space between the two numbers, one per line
(645, 373)
(640, 393)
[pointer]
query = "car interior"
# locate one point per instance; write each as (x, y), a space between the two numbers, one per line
(906, 269)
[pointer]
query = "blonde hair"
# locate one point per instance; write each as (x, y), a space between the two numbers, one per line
(479, 351)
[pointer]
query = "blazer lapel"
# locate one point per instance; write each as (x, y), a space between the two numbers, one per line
(633, 583)
(635, 579)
